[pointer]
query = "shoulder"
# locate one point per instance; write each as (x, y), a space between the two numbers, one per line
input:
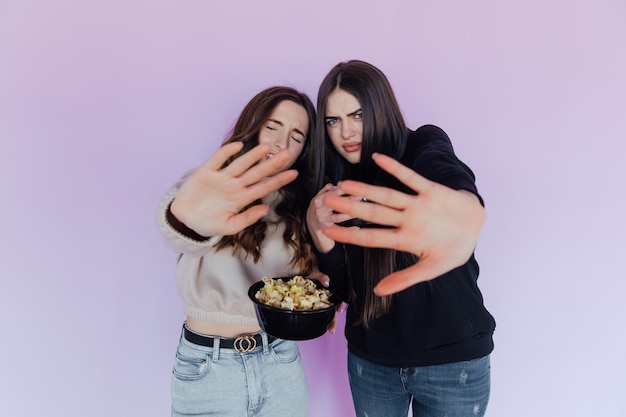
(429, 129)
(428, 135)
(429, 152)
(426, 142)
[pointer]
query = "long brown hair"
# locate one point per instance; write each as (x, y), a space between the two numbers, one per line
(295, 195)
(384, 131)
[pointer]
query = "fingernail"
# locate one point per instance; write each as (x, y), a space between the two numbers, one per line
(326, 282)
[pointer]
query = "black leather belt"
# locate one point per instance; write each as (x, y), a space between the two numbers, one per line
(242, 344)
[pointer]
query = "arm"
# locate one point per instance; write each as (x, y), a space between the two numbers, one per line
(330, 257)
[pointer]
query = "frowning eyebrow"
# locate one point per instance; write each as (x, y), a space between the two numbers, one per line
(278, 122)
(349, 114)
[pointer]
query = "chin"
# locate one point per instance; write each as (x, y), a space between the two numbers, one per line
(353, 159)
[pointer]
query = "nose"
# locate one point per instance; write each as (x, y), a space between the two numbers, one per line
(281, 143)
(347, 130)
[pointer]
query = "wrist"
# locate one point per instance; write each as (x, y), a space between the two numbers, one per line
(322, 243)
(181, 227)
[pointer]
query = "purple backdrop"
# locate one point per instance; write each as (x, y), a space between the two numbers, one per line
(104, 104)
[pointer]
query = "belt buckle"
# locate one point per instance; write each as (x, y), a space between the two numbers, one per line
(244, 344)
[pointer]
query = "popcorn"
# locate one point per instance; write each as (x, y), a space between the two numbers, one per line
(298, 294)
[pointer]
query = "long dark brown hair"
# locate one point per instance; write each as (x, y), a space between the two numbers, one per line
(384, 131)
(295, 195)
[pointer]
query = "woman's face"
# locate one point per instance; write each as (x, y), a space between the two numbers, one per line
(285, 131)
(344, 124)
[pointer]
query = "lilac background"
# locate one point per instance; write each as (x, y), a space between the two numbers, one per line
(104, 104)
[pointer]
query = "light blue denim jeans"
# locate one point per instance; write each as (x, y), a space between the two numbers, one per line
(269, 381)
(459, 389)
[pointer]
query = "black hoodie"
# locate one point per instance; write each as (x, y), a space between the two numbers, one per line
(430, 323)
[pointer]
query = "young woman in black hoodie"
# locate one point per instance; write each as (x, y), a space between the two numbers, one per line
(417, 330)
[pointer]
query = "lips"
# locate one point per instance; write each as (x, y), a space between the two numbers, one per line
(269, 156)
(352, 147)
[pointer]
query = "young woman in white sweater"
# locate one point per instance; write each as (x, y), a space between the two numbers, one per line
(236, 219)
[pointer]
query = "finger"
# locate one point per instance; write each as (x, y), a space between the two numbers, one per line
(340, 218)
(244, 219)
(321, 277)
(243, 162)
(264, 168)
(369, 238)
(424, 270)
(406, 175)
(270, 184)
(371, 212)
(328, 187)
(382, 195)
(221, 156)
(332, 326)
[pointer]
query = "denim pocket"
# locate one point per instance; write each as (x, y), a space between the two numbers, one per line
(284, 351)
(190, 365)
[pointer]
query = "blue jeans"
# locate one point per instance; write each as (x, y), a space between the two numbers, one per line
(269, 381)
(458, 389)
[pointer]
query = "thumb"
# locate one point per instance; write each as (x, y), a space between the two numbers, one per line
(240, 221)
(424, 270)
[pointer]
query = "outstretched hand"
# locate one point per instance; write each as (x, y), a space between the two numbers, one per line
(211, 200)
(439, 225)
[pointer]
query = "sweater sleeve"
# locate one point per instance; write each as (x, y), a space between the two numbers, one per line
(176, 237)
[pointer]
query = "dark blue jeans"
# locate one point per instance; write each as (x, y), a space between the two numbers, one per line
(458, 389)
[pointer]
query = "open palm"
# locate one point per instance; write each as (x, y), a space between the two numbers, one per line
(211, 200)
(439, 225)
